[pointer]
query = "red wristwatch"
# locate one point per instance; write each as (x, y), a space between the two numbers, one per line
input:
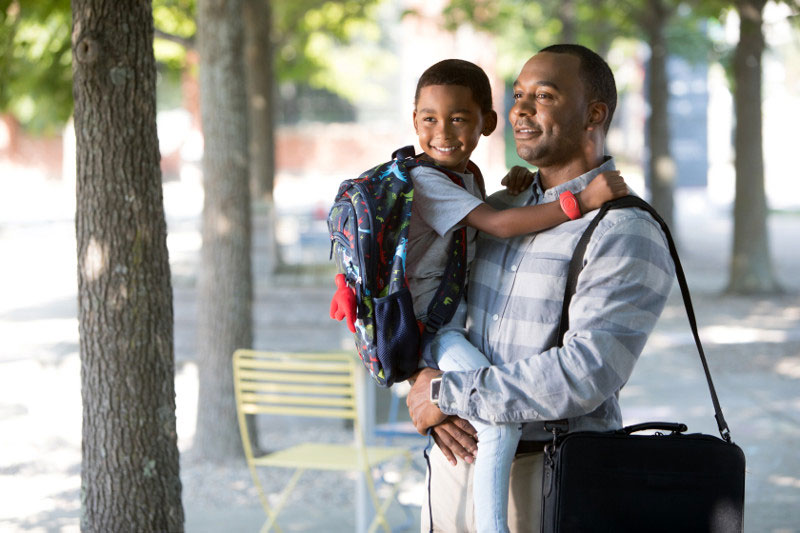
(569, 204)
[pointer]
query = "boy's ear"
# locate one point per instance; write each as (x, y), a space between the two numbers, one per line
(597, 114)
(414, 119)
(489, 122)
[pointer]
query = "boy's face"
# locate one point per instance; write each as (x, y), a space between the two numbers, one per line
(449, 123)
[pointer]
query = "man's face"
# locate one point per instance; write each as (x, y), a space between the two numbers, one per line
(550, 110)
(449, 123)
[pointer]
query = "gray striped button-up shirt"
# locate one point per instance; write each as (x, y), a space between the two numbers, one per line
(516, 288)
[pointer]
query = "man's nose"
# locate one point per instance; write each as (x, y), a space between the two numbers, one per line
(523, 108)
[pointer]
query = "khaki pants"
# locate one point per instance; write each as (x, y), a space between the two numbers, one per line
(451, 495)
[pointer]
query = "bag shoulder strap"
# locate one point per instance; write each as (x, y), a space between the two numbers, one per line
(576, 265)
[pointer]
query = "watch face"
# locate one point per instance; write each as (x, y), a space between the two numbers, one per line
(436, 385)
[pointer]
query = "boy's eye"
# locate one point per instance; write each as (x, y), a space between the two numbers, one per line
(458, 119)
(517, 96)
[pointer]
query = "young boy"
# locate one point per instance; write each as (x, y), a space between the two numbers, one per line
(453, 108)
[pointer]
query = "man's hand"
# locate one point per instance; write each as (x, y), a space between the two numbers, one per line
(456, 436)
(423, 413)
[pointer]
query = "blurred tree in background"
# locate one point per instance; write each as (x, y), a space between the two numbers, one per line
(225, 280)
(751, 261)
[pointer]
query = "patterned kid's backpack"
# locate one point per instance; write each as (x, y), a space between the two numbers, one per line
(368, 225)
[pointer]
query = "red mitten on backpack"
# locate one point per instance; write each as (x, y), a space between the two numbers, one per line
(343, 303)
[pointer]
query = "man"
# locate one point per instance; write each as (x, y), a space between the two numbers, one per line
(564, 101)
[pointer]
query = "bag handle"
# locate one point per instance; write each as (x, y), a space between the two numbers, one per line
(576, 265)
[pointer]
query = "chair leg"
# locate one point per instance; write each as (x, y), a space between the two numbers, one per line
(262, 496)
(273, 516)
(382, 507)
(272, 513)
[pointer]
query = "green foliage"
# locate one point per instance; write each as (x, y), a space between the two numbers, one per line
(315, 41)
(174, 18)
(523, 27)
(35, 62)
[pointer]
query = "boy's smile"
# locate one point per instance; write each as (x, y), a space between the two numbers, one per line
(449, 123)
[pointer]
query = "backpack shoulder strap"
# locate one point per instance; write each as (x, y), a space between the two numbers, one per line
(443, 305)
(411, 159)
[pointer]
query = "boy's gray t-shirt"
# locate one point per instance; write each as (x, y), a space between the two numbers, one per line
(438, 207)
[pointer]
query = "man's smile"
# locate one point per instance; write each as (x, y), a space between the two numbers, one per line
(526, 132)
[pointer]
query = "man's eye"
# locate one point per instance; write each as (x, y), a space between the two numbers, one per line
(458, 119)
(429, 119)
(543, 96)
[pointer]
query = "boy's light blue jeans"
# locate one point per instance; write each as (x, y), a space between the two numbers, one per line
(496, 443)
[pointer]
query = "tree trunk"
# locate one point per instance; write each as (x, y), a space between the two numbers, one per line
(567, 16)
(225, 278)
(129, 473)
(261, 98)
(751, 264)
(660, 165)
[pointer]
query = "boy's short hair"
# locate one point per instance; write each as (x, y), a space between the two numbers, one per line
(459, 72)
(595, 74)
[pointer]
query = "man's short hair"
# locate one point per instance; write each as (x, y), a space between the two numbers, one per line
(595, 74)
(459, 72)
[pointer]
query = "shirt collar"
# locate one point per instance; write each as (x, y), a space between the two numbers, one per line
(574, 185)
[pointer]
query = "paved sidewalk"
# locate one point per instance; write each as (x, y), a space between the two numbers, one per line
(753, 345)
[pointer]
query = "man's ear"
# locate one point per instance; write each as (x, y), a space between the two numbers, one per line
(489, 122)
(597, 114)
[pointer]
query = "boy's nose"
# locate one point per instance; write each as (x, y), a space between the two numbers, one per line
(445, 129)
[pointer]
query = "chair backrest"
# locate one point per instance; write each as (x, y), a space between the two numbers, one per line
(296, 384)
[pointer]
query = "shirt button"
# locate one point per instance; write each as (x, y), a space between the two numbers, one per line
(513, 268)
(495, 317)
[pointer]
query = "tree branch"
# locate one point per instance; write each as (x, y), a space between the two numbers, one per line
(186, 42)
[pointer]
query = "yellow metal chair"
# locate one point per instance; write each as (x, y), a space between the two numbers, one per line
(307, 385)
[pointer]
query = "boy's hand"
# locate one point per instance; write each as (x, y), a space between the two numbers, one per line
(604, 187)
(343, 303)
(517, 180)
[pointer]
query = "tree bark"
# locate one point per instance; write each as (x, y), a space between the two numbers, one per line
(261, 99)
(751, 263)
(130, 471)
(660, 164)
(225, 278)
